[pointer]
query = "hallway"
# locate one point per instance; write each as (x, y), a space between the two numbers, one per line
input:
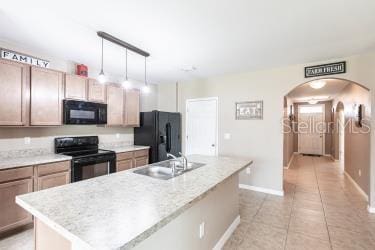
(321, 209)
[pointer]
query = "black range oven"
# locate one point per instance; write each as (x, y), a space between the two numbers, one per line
(88, 160)
(79, 112)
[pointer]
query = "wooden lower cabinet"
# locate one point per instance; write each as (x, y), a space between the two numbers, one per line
(12, 215)
(23, 180)
(141, 161)
(124, 165)
(131, 159)
(53, 180)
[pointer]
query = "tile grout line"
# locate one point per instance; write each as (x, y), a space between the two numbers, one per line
(324, 212)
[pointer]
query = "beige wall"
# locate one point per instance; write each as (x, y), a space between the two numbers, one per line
(168, 100)
(262, 140)
(327, 119)
(357, 140)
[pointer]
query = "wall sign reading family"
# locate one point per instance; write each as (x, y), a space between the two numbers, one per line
(14, 56)
(249, 110)
(325, 69)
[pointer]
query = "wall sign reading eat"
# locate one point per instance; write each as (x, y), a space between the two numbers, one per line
(325, 69)
(14, 56)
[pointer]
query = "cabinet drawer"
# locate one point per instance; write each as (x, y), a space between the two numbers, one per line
(53, 180)
(141, 161)
(16, 174)
(124, 165)
(140, 153)
(124, 156)
(52, 168)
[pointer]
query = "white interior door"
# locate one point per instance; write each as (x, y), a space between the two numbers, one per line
(311, 128)
(202, 126)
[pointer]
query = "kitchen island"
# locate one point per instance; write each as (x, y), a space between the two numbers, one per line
(125, 210)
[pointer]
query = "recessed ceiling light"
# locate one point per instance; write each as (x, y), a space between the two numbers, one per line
(317, 84)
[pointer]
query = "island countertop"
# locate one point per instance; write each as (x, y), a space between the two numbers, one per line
(120, 210)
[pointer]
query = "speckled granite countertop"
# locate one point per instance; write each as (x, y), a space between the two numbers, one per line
(123, 149)
(120, 210)
(15, 162)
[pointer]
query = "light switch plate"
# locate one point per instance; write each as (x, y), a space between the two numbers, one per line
(227, 136)
(27, 140)
(117, 136)
(248, 170)
(359, 172)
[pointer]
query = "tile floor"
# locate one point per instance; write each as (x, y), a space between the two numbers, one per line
(321, 209)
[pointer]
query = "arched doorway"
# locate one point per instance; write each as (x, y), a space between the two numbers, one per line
(348, 143)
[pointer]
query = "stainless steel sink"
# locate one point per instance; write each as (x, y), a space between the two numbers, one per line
(163, 170)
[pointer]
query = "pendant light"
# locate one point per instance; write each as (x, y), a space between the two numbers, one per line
(126, 84)
(146, 88)
(101, 78)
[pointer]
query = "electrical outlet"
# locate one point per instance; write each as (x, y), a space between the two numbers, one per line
(248, 170)
(359, 172)
(227, 136)
(201, 230)
(27, 140)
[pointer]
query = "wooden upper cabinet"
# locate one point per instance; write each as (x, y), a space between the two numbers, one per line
(75, 87)
(46, 97)
(115, 105)
(132, 99)
(96, 91)
(14, 94)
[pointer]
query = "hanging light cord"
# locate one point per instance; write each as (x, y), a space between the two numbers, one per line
(145, 71)
(102, 54)
(126, 65)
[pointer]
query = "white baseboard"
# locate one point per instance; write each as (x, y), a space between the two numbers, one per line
(357, 186)
(262, 190)
(220, 244)
(290, 162)
(371, 209)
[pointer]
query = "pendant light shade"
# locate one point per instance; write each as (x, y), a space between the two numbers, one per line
(126, 84)
(101, 77)
(146, 89)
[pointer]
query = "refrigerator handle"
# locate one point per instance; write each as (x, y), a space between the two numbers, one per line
(169, 138)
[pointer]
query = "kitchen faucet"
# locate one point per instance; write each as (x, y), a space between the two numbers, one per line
(183, 159)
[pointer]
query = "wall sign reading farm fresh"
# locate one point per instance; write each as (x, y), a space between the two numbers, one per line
(325, 69)
(14, 56)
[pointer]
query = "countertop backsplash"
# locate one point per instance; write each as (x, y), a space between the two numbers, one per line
(35, 146)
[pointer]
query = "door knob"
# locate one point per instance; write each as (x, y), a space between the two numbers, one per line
(213, 145)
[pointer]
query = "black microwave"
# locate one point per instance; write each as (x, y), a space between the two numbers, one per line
(80, 112)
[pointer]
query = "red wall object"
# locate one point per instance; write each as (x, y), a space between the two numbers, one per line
(82, 70)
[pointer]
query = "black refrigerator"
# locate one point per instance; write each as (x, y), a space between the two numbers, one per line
(161, 131)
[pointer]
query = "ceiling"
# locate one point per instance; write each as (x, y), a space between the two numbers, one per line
(214, 36)
(304, 92)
